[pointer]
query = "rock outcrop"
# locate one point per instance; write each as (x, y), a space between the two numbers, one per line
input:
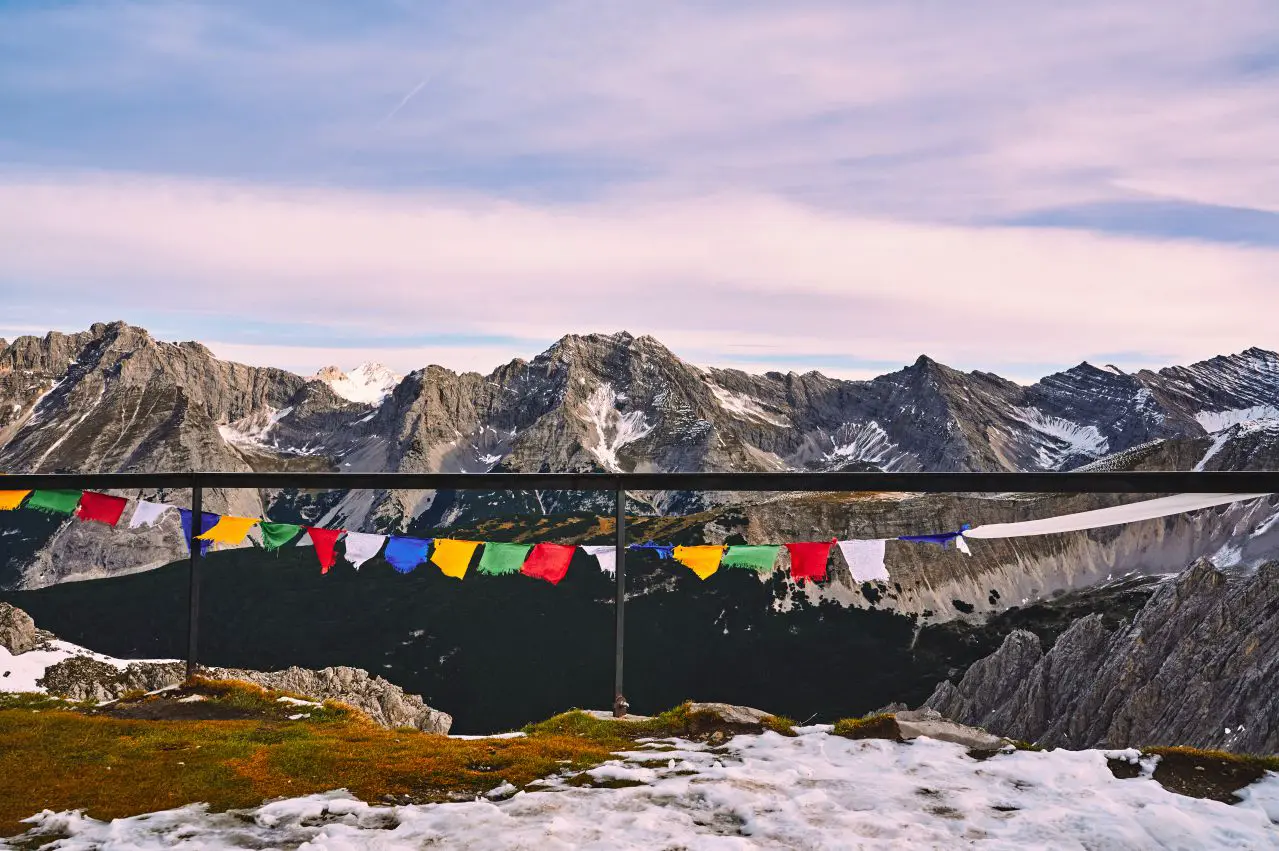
(1198, 666)
(86, 678)
(384, 702)
(18, 632)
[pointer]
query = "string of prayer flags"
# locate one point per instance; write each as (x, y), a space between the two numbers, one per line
(757, 557)
(865, 559)
(404, 554)
(362, 546)
(808, 559)
(605, 554)
(101, 507)
(325, 541)
(229, 530)
(276, 535)
(503, 559)
(703, 561)
(9, 500)
(549, 562)
(453, 557)
(207, 521)
(55, 502)
(147, 513)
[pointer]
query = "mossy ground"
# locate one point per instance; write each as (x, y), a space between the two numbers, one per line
(241, 748)
(236, 745)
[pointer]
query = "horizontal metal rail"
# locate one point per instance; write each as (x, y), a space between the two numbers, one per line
(1104, 482)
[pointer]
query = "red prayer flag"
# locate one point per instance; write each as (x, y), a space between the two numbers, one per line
(808, 559)
(325, 540)
(101, 507)
(549, 562)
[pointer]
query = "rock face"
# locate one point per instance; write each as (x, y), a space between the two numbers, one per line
(1198, 666)
(384, 702)
(18, 632)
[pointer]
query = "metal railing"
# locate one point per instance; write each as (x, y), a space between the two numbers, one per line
(620, 483)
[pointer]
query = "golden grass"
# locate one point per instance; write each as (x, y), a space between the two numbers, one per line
(882, 726)
(55, 757)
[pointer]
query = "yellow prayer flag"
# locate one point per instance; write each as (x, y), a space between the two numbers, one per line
(453, 557)
(701, 560)
(10, 500)
(229, 530)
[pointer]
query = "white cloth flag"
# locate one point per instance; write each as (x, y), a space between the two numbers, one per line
(605, 555)
(361, 546)
(865, 560)
(1150, 509)
(147, 513)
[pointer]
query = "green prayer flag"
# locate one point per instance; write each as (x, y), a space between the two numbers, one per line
(759, 558)
(58, 502)
(276, 535)
(501, 559)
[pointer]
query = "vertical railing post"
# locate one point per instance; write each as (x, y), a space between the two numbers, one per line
(193, 614)
(620, 706)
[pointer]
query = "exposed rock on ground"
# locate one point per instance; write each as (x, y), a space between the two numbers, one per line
(1199, 666)
(18, 632)
(85, 678)
(384, 702)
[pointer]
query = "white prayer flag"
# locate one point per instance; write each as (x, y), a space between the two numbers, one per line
(361, 546)
(147, 513)
(605, 555)
(865, 560)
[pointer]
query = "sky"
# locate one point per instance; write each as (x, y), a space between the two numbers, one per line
(1003, 185)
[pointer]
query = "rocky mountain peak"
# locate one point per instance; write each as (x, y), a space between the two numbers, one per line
(368, 384)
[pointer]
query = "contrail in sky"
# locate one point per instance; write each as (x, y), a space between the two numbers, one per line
(403, 101)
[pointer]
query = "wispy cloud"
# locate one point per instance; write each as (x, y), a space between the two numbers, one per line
(749, 181)
(733, 274)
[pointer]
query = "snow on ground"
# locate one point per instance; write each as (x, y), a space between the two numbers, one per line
(816, 791)
(19, 673)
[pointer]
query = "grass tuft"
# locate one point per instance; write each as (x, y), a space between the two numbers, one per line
(883, 726)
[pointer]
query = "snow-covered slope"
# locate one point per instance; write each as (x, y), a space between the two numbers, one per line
(19, 673)
(812, 791)
(367, 384)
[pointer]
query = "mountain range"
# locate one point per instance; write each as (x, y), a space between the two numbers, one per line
(113, 398)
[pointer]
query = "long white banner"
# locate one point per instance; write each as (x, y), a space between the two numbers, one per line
(1150, 509)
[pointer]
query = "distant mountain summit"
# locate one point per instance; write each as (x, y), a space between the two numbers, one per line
(368, 383)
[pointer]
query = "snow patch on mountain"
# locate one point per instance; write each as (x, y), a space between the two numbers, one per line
(1065, 438)
(814, 790)
(746, 407)
(255, 428)
(1215, 421)
(866, 442)
(367, 384)
(613, 428)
